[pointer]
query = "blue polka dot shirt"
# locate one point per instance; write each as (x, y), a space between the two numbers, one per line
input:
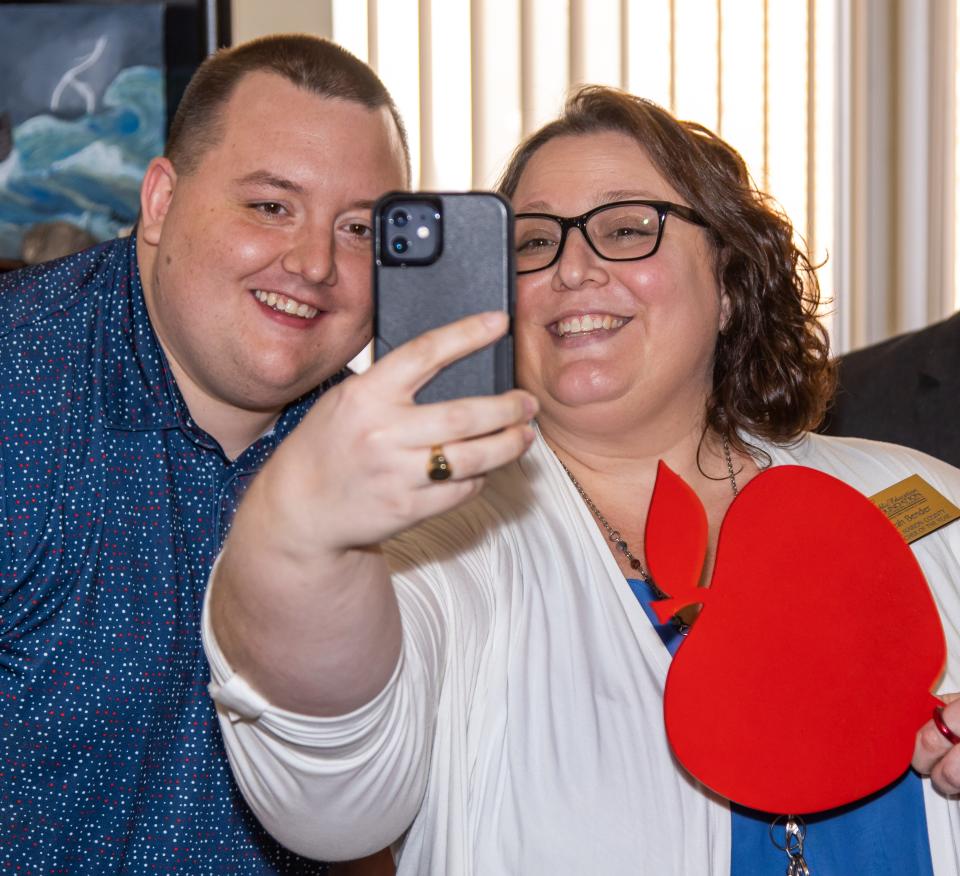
(114, 505)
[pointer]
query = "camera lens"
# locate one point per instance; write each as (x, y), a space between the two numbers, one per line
(399, 244)
(400, 218)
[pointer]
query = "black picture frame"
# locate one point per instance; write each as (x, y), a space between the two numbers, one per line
(193, 29)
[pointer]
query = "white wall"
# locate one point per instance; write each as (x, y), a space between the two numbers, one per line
(253, 18)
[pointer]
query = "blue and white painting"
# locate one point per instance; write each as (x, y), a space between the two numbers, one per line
(82, 112)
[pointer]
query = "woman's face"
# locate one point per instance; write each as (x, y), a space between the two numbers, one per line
(614, 343)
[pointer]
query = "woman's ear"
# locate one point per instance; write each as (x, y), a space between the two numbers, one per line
(156, 194)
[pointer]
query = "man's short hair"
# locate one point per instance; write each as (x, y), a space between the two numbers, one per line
(311, 63)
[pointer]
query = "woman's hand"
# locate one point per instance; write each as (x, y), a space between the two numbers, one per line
(935, 755)
(301, 606)
(355, 472)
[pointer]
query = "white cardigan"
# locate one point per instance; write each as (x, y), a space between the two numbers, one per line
(522, 731)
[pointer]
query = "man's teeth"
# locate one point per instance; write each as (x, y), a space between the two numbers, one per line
(577, 325)
(285, 305)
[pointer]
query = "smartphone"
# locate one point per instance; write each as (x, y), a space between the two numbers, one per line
(438, 257)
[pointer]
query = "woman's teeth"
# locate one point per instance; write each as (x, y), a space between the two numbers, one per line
(579, 325)
(282, 304)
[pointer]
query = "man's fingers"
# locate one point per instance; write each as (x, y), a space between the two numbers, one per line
(415, 363)
(930, 747)
(934, 754)
(946, 774)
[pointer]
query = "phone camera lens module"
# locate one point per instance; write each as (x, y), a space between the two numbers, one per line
(400, 244)
(400, 218)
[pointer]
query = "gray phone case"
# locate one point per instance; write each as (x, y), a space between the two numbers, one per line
(474, 272)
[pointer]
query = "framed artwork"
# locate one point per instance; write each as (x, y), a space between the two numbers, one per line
(86, 94)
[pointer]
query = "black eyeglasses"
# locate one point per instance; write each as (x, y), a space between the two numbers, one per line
(623, 231)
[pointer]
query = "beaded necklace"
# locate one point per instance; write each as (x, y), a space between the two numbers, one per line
(621, 545)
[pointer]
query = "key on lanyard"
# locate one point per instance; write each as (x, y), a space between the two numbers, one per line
(795, 831)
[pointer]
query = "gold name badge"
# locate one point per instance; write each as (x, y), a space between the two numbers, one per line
(915, 508)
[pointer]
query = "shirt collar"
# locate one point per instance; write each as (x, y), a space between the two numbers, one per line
(139, 394)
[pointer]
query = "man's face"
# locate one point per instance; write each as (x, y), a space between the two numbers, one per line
(257, 266)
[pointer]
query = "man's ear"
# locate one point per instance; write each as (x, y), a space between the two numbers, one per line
(156, 195)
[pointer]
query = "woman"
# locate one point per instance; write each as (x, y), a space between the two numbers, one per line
(496, 700)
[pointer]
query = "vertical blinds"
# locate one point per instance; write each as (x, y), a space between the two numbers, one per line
(845, 111)
(472, 78)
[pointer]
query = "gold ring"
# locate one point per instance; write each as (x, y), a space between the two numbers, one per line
(438, 469)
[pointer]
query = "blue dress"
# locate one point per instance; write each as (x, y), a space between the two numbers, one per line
(885, 833)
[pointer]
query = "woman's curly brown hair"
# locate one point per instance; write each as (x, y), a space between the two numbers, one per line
(772, 375)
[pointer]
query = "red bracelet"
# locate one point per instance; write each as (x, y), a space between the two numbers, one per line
(941, 725)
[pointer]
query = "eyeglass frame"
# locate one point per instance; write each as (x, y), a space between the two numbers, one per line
(580, 222)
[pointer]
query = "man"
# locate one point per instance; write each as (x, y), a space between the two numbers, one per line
(144, 383)
(904, 390)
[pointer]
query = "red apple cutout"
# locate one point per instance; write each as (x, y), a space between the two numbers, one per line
(804, 680)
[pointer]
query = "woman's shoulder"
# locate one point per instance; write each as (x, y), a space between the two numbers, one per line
(869, 466)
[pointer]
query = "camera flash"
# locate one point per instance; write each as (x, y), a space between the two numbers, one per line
(423, 232)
